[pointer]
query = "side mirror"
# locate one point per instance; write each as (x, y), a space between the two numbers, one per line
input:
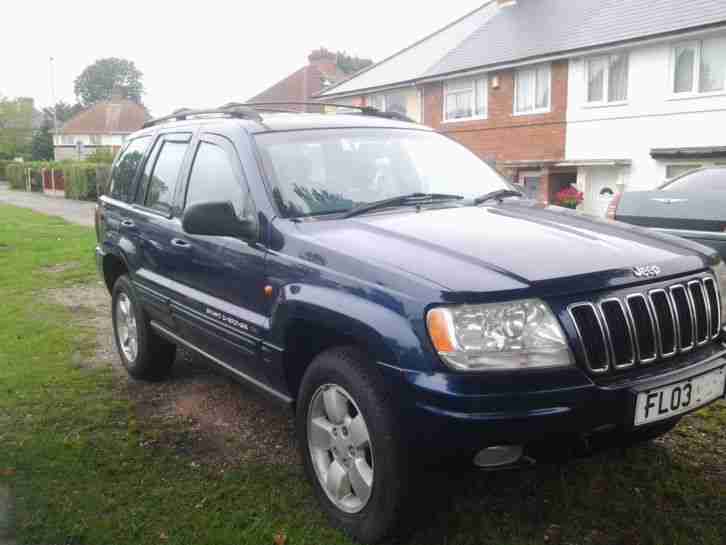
(218, 219)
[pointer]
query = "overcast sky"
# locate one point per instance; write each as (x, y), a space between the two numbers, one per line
(200, 54)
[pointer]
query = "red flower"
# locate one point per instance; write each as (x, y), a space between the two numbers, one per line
(569, 197)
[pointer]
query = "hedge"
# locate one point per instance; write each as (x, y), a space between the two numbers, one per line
(85, 181)
(15, 173)
(4, 163)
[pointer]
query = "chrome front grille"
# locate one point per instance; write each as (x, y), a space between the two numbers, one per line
(618, 333)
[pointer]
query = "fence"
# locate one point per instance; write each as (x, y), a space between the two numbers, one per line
(53, 180)
(74, 180)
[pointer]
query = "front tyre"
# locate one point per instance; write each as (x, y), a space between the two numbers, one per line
(351, 451)
(143, 353)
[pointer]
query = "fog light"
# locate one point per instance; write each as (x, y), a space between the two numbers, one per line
(497, 456)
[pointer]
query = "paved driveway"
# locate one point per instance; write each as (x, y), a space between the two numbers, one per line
(73, 211)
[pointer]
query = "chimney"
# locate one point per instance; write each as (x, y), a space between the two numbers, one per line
(506, 3)
(325, 61)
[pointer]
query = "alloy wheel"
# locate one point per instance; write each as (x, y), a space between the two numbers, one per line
(126, 331)
(341, 448)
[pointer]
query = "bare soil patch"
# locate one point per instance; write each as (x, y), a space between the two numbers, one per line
(198, 412)
(61, 267)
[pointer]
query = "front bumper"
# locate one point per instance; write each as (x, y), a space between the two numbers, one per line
(458, 411)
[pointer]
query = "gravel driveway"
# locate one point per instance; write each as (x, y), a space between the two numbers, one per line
(73, 211)
(198, 413)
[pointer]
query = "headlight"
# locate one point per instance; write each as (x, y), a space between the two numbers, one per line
(516, 335)
(720, 272)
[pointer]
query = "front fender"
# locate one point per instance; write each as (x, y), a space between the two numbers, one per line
(388, 335)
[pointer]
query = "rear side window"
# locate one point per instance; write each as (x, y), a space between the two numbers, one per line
(712, 179)
(125, 169)
(146, 174)
(164, 178)
(214, 179)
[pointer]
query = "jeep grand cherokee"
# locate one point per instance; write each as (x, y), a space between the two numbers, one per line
(400, 296)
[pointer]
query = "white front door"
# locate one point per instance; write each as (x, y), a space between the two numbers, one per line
(601, 188)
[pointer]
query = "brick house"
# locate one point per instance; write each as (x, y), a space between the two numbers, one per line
(557, 92)
(300, 86)
(105, 125)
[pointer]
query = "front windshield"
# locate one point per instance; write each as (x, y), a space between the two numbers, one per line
(328, 171)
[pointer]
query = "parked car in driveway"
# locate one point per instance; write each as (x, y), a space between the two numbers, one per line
(692, 206)
(400, 296)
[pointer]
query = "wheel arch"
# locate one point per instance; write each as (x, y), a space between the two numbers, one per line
(114, 265)
(309, 319)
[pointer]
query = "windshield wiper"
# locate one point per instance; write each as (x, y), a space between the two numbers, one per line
(402, 200)
(499, 194)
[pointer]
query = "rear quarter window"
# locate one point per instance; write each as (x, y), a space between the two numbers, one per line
(124, 171)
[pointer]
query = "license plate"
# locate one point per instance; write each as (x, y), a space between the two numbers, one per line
(680, 397)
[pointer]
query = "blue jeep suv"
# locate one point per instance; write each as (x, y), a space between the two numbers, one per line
(400, 296)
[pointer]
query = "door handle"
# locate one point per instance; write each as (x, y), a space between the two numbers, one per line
(669, 201)
(180, 243)
(128, 223)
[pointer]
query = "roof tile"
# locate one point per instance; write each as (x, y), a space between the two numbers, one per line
(108, 117)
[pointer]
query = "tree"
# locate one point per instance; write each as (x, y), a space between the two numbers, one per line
(42, 144)
(350, 64)
(63, 111)
(98, 81)
(16, 126)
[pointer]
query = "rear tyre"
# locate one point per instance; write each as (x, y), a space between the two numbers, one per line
(143, 353)
(350, 444)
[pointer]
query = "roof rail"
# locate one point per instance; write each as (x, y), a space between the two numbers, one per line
(238, 111)
(362, 110)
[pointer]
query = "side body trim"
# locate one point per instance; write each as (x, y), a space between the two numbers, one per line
(256, 383)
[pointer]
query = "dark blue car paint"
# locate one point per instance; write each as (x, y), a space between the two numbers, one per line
(374, 277)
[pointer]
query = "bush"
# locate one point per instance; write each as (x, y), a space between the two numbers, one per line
(103, 179)
(101, 155)
(3, 164)
(85, 181)
(569, 197)
(15, 173)
(36, 180)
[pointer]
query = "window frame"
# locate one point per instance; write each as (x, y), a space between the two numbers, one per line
(535, 110)
(606, 81)
(675, 179)
(229, 149)
(693, 165)
(130, 197)
(383, 97)
(152, 157)
(695, 92)
(473, 81)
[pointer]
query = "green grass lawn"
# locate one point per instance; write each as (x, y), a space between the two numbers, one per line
(71, 449)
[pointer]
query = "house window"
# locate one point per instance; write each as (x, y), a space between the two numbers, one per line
(68, 140)
(95, 139)
(465, 99)
(700, 66)
(378, 102)
(403, 102)
(607, 79)
(532, 90)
